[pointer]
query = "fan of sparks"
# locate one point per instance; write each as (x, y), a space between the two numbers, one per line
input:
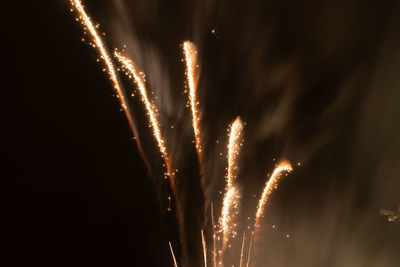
(224, 229)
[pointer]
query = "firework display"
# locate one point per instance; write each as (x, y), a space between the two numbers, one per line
(224, 230)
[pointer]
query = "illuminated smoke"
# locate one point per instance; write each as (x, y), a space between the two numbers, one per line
(231, 197)
(192, 77)
(272, 184)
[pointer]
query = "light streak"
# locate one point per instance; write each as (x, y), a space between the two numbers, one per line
(104, 55)
(231, 197)
(271, 184)
(87, 22)
(130, 66)
(191, 64)
(213, 227)
(249, 253)
(151, 111)
(203, 241)
(241, 251)
(173, 254)
(233, 150)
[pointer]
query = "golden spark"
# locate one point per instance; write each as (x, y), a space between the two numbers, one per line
(230, 201)
(102, 50)
(151, 110)
(192, 77)
(271, 184)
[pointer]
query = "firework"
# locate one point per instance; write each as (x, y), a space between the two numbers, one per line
(87, 22)
(235, 143)
(231, 197)
(272, 184)
(173, 254)
(191, 66)
(151, 110)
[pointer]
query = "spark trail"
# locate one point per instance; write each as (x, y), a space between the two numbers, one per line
(87, 22)
(151, 110)
(231, 197)
(272, 184)
(192, 77)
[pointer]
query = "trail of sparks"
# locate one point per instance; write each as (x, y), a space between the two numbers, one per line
(173, 254)
(129, 65)
(272, 184)
(232, 194)
(191, 64)
(151, 111)
(233, 150)
(104, 55)
(203, 241)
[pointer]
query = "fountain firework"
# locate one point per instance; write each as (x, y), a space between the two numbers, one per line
(230, 204)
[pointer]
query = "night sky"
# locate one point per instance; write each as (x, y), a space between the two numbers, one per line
(316, 83)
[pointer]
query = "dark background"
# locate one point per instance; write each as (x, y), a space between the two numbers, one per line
(80, 194)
